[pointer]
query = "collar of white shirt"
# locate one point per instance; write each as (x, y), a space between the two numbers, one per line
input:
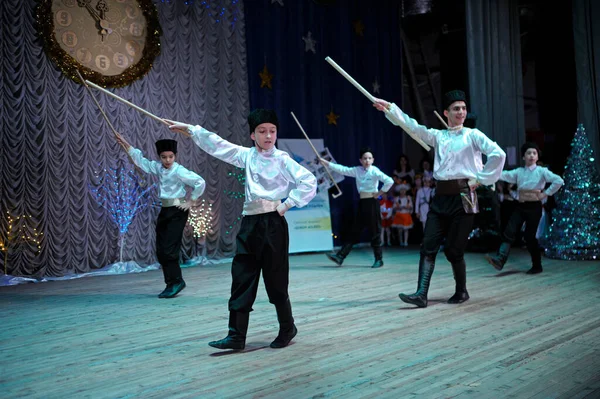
(532, 167)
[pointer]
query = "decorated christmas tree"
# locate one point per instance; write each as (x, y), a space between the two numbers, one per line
(123, 193)
(575, 230)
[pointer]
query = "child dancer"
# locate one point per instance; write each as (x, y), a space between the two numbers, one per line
(386, 207)
(458, 169)
(403, 217)
(368, 216)
(263, 241)
(174, 210)
(423, 200)
(531, 181)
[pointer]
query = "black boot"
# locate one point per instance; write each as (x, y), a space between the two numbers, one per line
(419, 298)
(287, 328)
(339, 257)
(460, 277)
(378, 251)
(500, 258)
(536, 258)
(236, 338)
(175, 289)
(166, 291)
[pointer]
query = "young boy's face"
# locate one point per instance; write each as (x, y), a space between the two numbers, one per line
(265, 136)
(531, 156)
(167, 158)
(367, 160)
(456, 113)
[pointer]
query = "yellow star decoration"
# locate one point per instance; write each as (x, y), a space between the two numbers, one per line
(332, 118)
(359, 28)
(265, 78)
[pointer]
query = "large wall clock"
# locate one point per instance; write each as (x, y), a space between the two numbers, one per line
(111, 42)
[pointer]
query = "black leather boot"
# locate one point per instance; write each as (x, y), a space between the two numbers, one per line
(378, 252)
(236, 338)
(287, 328)
(500, 258)
(460, 277)
(339, 257)
(419, 298)
(175, 289)
(536, 258)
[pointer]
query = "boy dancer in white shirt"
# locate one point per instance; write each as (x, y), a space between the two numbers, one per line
(458, 169)
(174, 211)
(531, 181)
(368, 216)
(263, 241)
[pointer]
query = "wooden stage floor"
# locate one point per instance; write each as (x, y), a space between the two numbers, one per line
(519, 336)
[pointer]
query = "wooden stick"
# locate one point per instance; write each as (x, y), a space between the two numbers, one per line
(318, 156)
(369, 96)
(98, 104)
(350, 79)
(441, 119)
(107, 120)
(142, 110)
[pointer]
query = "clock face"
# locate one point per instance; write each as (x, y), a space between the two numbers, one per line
(112, 42)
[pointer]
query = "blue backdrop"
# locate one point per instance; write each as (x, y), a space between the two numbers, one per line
(364, 39)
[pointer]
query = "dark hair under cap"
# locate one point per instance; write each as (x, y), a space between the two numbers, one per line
(366, 149)
(529, 145)
(259, 116)
(166, 145)
(453, 96)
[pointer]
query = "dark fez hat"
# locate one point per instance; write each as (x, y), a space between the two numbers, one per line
(452, 96)
(261, 115)
(529, 145)
(166, 145)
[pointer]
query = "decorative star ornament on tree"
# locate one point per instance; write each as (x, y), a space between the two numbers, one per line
(309, 43)
(277, 1)
(332, 118)
(359, 28)
(376, 86)
(265, 78)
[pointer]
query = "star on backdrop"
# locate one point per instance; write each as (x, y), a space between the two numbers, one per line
(265, 78)
(359, 28)
(376, 86)
(332, 118)
(309, 43)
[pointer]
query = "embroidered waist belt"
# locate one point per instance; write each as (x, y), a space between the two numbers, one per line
(168, 202)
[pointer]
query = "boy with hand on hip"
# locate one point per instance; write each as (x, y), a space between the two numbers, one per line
(174, 212)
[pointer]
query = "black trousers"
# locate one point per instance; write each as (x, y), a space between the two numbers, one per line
(529, 213)
(367, 217)
(169, 232)
(262, 245)
(448, 220)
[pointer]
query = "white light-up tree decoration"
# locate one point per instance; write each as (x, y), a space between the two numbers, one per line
(18, 233)
(200, 220)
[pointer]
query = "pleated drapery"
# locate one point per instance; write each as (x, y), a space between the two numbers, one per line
(54, 142)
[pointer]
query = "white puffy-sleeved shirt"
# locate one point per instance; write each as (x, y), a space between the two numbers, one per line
(533, 177)
(270, 175)
(457, 152)
(172, 181)
(367, 180)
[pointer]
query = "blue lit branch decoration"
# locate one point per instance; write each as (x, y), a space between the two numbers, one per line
(575, 230)
(123, 193)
